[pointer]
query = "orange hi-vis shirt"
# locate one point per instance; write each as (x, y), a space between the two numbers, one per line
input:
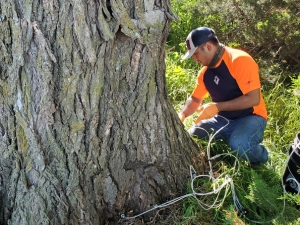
(234, 75)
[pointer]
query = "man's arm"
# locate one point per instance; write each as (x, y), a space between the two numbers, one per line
(191, 106)
(245, 101)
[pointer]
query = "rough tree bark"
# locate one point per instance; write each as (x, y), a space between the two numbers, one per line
(86, 128)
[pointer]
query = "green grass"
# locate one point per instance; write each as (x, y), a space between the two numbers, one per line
(259, 191)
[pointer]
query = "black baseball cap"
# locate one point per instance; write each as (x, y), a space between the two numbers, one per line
(196, 38)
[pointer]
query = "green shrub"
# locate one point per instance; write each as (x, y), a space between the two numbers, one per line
(266, 29)
(180, 81)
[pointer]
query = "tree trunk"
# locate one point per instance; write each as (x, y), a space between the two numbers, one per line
(86, 128)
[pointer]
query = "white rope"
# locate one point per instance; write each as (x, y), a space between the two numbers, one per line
(219, 183)
(216, 190)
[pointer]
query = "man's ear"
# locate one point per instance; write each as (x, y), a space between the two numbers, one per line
(208, 46)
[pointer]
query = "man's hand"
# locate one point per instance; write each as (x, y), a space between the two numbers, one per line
(181, 117)
(207, 111)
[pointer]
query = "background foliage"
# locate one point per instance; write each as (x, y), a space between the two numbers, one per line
(269, 31)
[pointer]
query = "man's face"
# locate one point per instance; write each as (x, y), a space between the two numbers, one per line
(203, 54)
